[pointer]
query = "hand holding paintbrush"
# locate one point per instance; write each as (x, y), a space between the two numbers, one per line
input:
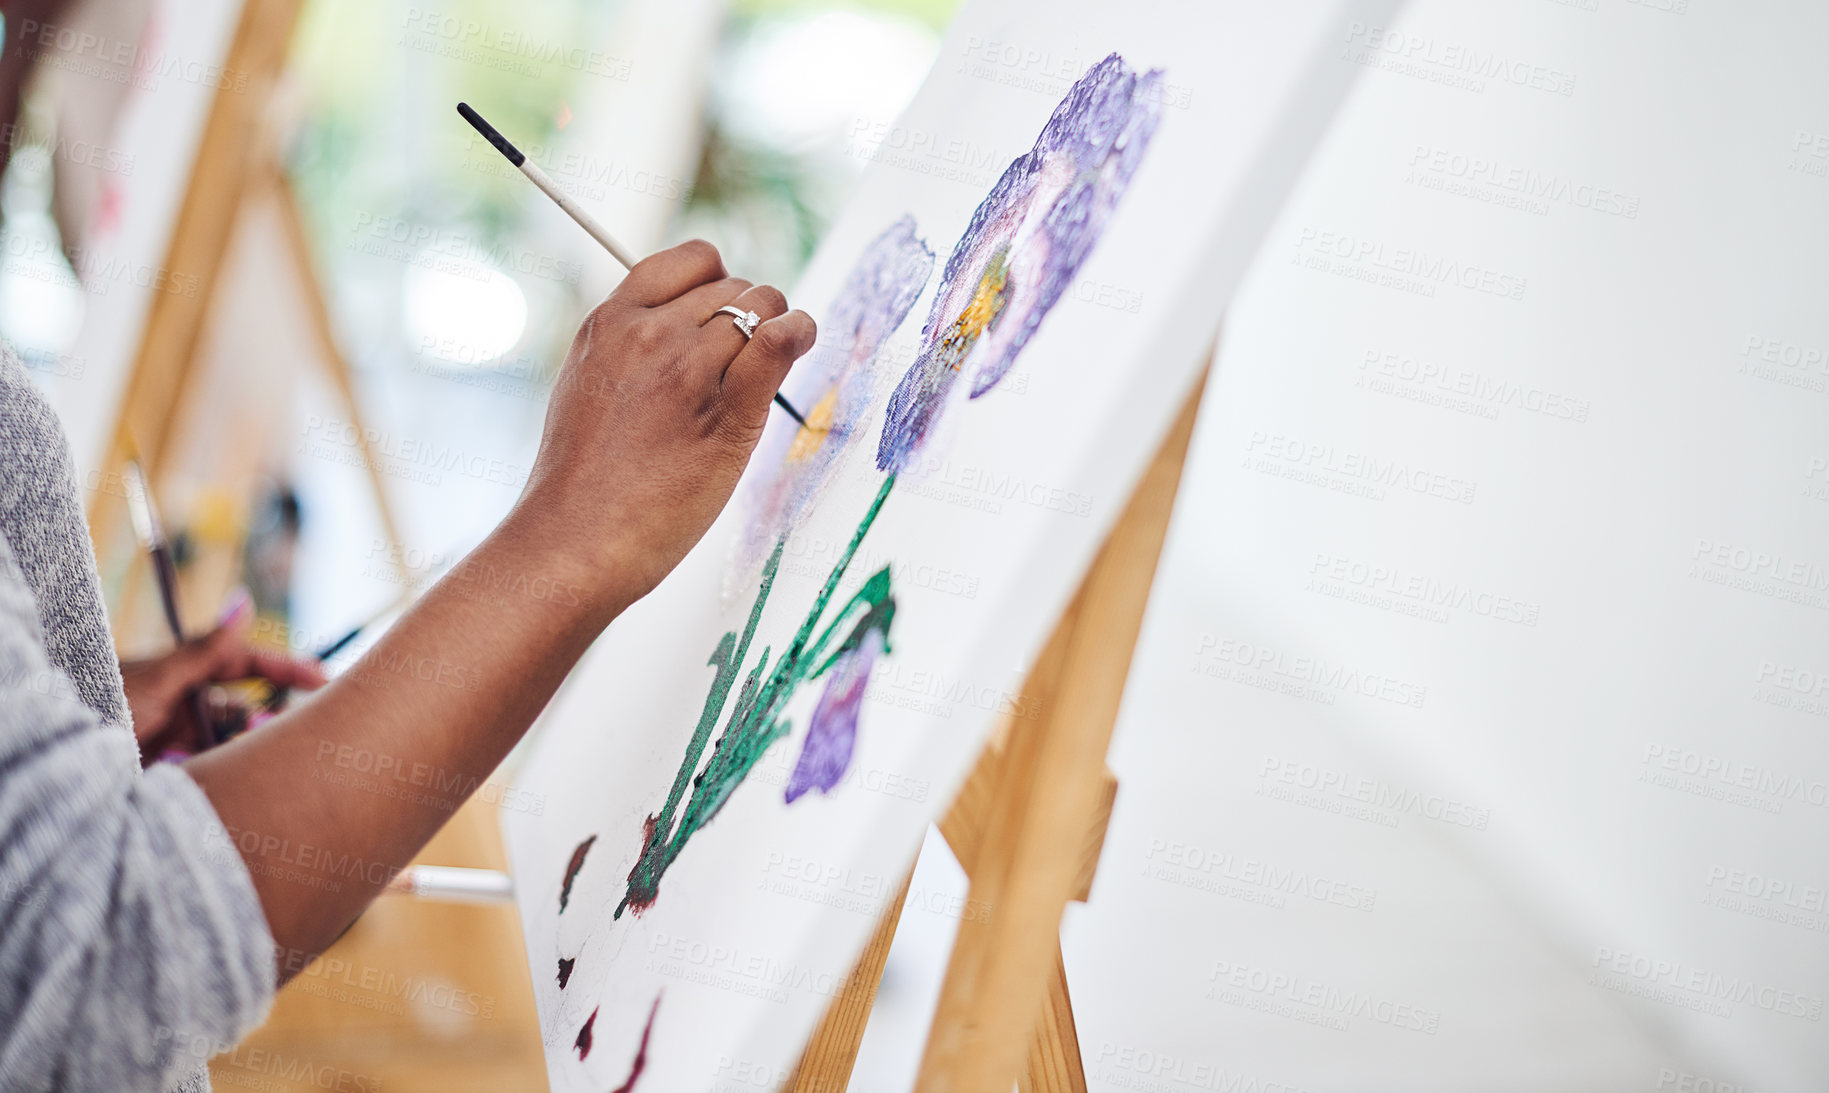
(169, 696)
(745, 320)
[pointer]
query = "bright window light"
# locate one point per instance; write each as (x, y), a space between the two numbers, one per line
(800, 82)
(461, 312)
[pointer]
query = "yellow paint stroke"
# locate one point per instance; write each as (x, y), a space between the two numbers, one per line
(987, 301)
(817, 428)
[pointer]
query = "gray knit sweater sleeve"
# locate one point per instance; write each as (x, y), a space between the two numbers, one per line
(132, 945)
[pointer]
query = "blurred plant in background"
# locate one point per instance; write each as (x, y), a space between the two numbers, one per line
(793, 83)
(798, 87)
(388, 173)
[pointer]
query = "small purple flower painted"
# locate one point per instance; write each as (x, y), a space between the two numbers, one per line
(832, 732)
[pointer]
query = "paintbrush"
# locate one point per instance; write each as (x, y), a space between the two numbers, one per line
(452, 884)
(277, 695)
(551, 189)
(151, 534)
(341, 643)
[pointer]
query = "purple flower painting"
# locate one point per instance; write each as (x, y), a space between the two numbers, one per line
(876, 296)
(1023, 247)
(1025, 244)
(832, 733)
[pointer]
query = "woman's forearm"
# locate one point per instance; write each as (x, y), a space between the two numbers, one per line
(327, 801)
(652, 417)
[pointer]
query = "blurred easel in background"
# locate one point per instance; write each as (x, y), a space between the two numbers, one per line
(417, 994)
(207, 388)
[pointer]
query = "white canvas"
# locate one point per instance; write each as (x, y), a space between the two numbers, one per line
(1475, 737)
(754, 926)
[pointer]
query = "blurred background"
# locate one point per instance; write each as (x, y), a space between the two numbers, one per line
(253, 247)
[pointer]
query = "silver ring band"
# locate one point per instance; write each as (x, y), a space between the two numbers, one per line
(746, 321)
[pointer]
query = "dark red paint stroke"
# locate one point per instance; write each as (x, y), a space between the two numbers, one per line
(641, 896)
(583, 1042)
(565, 971)
(571, 870)
(641, 1052)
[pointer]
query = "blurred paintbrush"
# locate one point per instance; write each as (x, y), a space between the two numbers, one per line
(151, 535)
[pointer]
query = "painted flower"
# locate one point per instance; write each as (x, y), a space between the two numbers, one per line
(825, 756)
(836, 384)
(1023, 247)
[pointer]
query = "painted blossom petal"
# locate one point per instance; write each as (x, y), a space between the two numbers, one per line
(1024, 245)
(826, 754)
(836, 384)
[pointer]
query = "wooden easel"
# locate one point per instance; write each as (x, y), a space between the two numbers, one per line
(1028, 827)
(237, 164)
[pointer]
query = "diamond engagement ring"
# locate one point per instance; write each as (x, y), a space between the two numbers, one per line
(746, 321)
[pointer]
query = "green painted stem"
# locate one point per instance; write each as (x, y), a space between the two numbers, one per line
(754, 724)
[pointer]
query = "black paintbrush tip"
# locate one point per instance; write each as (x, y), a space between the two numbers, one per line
(789, 407)
(340, 644)
(489, 134)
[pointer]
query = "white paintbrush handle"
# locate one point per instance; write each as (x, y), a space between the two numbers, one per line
(444, 882)
(544, 182)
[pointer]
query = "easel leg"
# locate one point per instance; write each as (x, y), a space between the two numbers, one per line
(1054, 1051)
(336, 366)
(832, 1052)
(160, 376)
(1050, 781)
(1024, 863)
